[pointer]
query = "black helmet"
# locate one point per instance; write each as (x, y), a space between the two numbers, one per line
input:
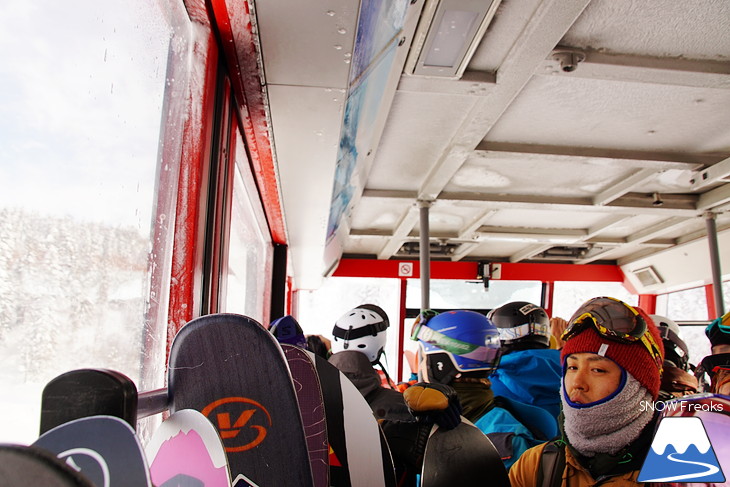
(522, 326)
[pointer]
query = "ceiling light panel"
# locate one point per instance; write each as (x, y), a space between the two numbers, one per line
(451, 36)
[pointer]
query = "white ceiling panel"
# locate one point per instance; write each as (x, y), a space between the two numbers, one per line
(519, 154)
(307, 43)
(568, 111)
(659, 28)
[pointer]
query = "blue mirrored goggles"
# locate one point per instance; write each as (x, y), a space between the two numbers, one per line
(488, 352)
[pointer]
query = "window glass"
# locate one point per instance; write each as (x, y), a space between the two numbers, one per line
(690, 304)
(569, 295)
(320, 309)
(83, 87)
(250, 251)
(697, 343)
(458, 294)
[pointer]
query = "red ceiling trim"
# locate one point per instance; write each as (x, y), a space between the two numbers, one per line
(468, 270)
(401, 268)
(238, 42)
(561, 272)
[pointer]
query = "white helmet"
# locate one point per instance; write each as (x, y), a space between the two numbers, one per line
(675, 350)
(362, 329)
(666, 322)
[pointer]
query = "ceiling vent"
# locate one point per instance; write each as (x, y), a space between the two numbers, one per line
(647, 276)
(570, 253)
(438, 249)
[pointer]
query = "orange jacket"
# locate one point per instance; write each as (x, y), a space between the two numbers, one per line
(524, 472)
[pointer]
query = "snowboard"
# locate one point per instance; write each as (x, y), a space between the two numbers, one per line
(88, 392)
(311, 406)
(359, 453)
(232, 370)
(104, 449)
(187, 451)
(462, 456)
(26, 465)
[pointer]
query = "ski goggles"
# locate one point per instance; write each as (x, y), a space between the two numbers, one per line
(421, 321)
(488, 352)
(521, 331)
(615, 320)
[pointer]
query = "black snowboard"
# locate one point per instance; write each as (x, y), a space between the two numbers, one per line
(88, 392)
(104, 449)
(27, 465)
(233, 370)
(311, 406)
(463, 456)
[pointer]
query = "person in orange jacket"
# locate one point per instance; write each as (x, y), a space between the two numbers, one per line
(612, 364)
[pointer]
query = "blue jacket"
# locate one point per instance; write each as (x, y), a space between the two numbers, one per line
(512, 436)
(531, 377)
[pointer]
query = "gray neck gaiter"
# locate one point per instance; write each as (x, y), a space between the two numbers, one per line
(609, 426)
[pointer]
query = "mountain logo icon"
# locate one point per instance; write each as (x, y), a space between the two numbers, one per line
(681, 452)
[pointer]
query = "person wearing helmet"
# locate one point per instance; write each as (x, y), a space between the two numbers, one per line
(676, 379)
(461, 349)
(358, 344)
(612, 365)
(287, 330)
(676, 353)
(363, 329)
(717, 365)
(529, 371)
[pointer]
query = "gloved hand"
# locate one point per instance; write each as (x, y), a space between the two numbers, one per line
(434, 403)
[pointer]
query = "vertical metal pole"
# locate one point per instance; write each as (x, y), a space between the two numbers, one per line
(715, 263)
(425, 254)
(401, 327)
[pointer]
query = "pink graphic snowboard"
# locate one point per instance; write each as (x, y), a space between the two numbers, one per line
(186, 451)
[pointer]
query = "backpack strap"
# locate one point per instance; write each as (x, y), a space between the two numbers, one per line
(552, 464)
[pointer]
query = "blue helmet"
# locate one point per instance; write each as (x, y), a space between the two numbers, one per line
(456, 342)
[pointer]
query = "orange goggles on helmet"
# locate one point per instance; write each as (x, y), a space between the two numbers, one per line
(615, 320)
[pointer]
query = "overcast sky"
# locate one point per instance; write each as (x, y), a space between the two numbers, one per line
(81, 86)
